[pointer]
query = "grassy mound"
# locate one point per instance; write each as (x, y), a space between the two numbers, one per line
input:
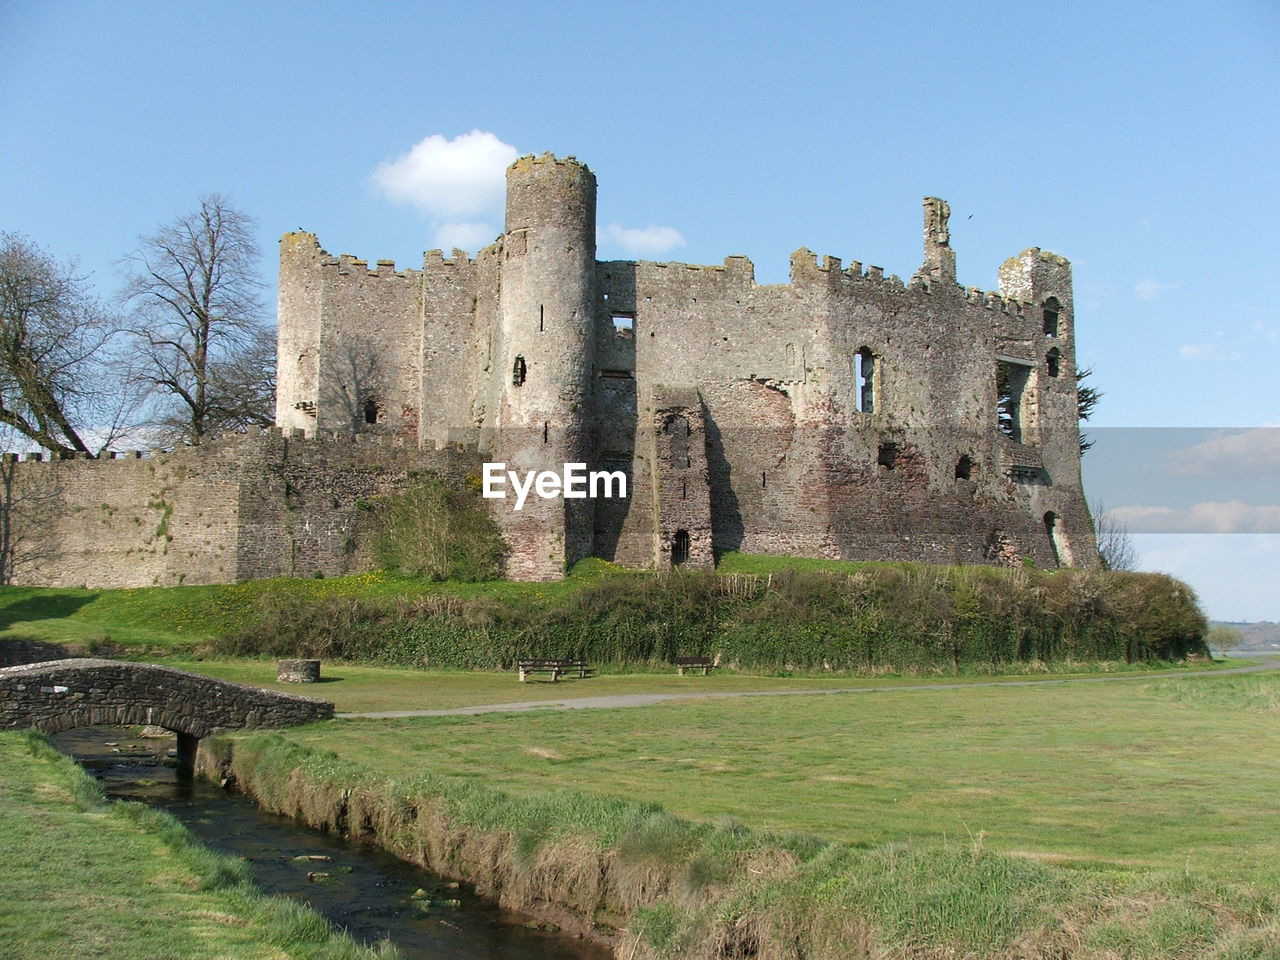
(770, 614)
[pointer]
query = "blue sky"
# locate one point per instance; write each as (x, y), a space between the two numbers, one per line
(1139, 140)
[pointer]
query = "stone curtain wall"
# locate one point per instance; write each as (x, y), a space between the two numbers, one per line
(237, 508)
(62, 694)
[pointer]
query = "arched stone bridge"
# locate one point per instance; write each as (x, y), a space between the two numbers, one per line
(58, 695)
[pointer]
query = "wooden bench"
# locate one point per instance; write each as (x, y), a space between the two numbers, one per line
(556, 666)
(693, 663)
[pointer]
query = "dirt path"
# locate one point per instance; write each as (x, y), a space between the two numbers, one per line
(648, 699)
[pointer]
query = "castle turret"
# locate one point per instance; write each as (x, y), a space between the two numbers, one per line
(547, 354)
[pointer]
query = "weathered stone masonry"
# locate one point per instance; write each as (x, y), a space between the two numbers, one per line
(269, 504)
(60, 695)
(843, 414)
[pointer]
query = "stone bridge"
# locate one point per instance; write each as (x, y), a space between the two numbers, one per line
(58, 695)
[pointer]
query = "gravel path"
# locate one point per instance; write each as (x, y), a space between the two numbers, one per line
(648, 699)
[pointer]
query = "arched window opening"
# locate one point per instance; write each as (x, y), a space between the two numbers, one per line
(864, 376)
(1051, 311)
(680, 548)
(964, 467)
(1058, 542)
(371, 411)
(1053, 360)
(519, 372)
(1012, 379)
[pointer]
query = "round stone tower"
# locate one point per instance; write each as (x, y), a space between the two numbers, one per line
(547, 357)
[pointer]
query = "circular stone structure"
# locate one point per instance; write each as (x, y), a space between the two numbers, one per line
(298, 671)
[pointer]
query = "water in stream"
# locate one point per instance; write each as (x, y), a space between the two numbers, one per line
(362, 889)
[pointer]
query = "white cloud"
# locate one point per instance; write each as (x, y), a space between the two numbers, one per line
(450, 180)
(1149, 288)
(467, 236)
(1243, 451)
(1232, 516)
(645, 241)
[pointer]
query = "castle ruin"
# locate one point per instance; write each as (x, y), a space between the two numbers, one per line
(843, 414)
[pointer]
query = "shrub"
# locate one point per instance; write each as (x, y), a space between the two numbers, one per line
(904, 618)
(437, 532)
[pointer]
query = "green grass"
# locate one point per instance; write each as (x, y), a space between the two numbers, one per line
(1141, 775)
(85, 878)
(356, 688)
(175, 619)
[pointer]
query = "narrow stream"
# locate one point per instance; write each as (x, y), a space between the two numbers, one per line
(364, 890)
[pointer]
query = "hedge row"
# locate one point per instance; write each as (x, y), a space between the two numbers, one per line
(879, 618)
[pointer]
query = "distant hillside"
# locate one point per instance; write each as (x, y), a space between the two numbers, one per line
(1262, 635)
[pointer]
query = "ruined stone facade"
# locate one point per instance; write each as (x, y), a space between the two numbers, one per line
(843, 414)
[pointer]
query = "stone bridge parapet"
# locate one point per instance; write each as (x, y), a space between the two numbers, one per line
(58, 695)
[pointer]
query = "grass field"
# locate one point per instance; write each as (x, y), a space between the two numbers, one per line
(174, 619)
(84, 878)
(354, 688)
(1165, 774)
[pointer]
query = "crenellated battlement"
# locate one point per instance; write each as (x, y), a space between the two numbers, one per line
(548, 159)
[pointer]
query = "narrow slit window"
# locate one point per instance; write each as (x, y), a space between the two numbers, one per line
(519, 372)
(541, 317)
(546, 429)
(864, 375)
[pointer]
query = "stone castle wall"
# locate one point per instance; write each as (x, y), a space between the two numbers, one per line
(239, 508)
(842, 414)
(796, 452)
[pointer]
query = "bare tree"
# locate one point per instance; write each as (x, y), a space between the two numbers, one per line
(58, 385)
(1224, 637)
(1115, 546)
(196, 297)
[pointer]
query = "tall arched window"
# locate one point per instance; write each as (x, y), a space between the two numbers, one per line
(1053, 360)
(1057, 539)
(1051, 310)
(864, 377)
(371, 411)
